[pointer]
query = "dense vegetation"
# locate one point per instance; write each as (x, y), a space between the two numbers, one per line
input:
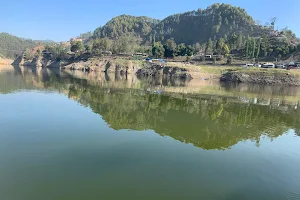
(214, 22)
(219, 29)
(126, 25)
(10, 45)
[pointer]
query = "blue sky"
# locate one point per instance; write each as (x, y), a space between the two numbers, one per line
(60, 20)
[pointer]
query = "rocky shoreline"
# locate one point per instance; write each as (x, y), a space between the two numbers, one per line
(113, 65)
(141, 68)
(262, 77)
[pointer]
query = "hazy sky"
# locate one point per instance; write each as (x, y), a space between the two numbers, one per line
(60, 20)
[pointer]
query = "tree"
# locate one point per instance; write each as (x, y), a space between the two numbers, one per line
(253, 48)
(270, 50)
(181, 49)
(125, 44)
(88, 48)
(232, 41)
(298, 47)
(226, 21)
(209, 47)
(189, 50)
(273, 21)
(264, 45)
(225, 49)
(197, 47)
(77, 46)
(219, 45)
(58, 52)
(86, 36)
(158, 50)
(240, 41)
(170, 48)
(258, 49)
(105, 44)
(247, 47)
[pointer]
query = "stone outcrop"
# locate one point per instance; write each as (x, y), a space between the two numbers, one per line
(158, 70)
(268, 78)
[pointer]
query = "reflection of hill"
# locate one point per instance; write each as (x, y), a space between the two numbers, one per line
(207, 121)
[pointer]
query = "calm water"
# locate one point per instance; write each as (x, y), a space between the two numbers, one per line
(74, 136)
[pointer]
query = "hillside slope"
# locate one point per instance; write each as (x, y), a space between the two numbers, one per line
(11, 45)
(214, 22)
(198, 26)
(126, 24)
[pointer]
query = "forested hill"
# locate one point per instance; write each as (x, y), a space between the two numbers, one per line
(126, 25)
(218, 20)
(11, 45)
(198, 26)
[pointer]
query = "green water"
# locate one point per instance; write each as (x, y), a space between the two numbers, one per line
(75, 136)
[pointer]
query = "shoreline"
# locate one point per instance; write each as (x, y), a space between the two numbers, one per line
(223, 73)
(5, 61)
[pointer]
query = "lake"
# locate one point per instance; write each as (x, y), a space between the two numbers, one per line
(73, 135)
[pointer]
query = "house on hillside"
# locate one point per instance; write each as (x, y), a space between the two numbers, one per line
(76, 40)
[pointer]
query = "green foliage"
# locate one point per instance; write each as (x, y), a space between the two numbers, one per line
(199, 26)
(88, 48)
(126, 44)
(213, 27)
(58, 52)
(77, 46)
(11, 46)
(258, 49)
(222, 47)
(225, 49)
(197, 47)
(170, 48)
(189, 50)
(158, 50)
(209, 47)
(86, 36)
(181, 49)
(102, 44)
(124, 25)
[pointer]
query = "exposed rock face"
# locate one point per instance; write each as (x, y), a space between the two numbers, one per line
(103, 65)
(156, 70)
(269, 78)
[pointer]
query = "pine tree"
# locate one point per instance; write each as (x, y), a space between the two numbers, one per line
(258, 49)
(247, 46)
(253, 47)
(240, 41)
(209, 46)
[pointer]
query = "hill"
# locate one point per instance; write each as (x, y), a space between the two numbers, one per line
(126, 25)
(11, 45)
(218, 29)
(218, 20)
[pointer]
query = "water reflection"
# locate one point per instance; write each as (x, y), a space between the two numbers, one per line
(207, 114)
